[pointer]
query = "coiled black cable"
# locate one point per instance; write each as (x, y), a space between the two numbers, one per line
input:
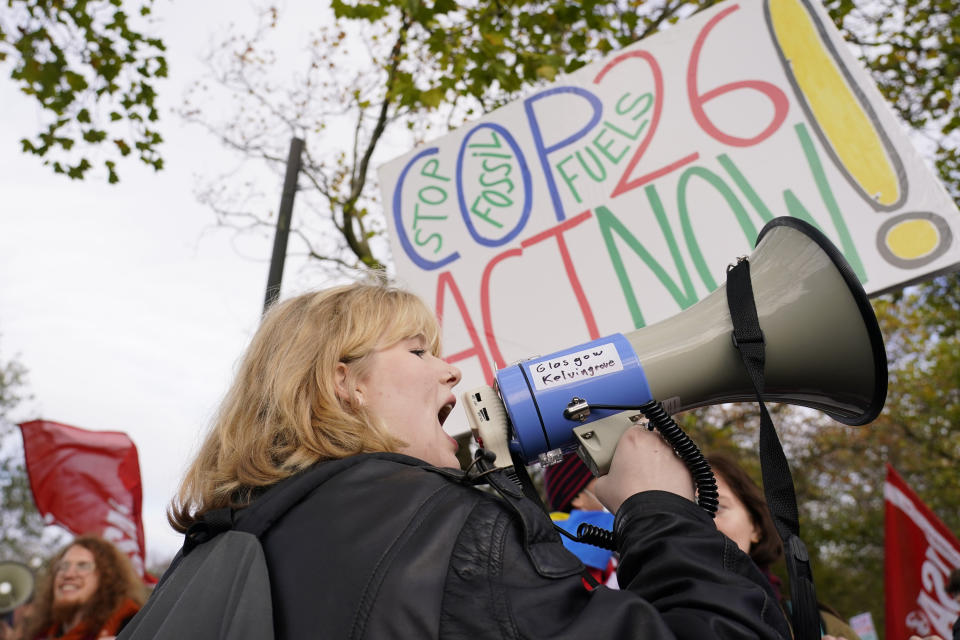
(597, 536)
(590, 534)
(689, 452)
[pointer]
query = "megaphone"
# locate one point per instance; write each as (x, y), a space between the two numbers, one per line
(16, 585)
(823, 349)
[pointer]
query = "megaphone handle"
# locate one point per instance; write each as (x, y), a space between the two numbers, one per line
(596, 451)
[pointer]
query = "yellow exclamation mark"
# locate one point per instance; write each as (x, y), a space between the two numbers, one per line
(852, 134)
(842, 117)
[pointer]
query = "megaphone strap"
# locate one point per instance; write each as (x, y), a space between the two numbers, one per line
(778, 484)
(747, 335)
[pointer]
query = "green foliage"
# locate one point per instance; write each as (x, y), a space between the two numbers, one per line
(491, 51)
(923, 408)
(78, 59)
(425, 67)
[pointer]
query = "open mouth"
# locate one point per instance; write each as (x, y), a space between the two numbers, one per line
(444, 412)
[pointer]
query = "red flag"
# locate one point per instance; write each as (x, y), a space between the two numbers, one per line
(920, 553)
(87, 482)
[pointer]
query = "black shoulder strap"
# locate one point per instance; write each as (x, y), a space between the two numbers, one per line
(281, 497)
(260, 515)
(777, 481)
(211, 524)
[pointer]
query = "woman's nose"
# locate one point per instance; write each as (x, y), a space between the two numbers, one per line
(453, 375)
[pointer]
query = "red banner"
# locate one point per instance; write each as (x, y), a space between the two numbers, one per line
(920, 553)
(87, 482)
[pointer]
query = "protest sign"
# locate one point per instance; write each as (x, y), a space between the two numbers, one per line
(617, 196)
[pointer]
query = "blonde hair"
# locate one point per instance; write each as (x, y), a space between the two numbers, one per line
(282, 412)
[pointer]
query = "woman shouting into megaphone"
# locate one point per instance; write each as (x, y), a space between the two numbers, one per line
(347, 388)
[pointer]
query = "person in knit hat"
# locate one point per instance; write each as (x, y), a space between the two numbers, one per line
(568, 486)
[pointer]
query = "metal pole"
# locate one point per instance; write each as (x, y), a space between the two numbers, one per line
(283, 223)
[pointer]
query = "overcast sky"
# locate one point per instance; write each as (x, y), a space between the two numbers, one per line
(126, 304)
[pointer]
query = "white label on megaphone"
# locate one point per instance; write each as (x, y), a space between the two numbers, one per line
(574, 367)
(598, 360)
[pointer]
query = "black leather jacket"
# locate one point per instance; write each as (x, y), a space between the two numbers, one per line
(389, 547)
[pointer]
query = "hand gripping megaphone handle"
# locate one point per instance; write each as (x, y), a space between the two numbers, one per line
(596, 451)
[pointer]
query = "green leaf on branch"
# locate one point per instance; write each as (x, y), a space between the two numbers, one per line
(547, 72)
(77, 172)
(67, 54)
(94, 136)
(494, 38)
(432, 98)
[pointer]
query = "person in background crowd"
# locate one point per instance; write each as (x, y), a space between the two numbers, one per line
(744, 517)
(89, 592)
(396, 541)
(569, 487)
(953, 590)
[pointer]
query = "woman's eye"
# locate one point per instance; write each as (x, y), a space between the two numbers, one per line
(418, 352)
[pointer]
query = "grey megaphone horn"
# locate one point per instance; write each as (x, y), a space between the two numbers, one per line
(823, 350)
(16, 585)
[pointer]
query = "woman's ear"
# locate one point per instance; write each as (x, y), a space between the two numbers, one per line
(340, 376)
(343, 381)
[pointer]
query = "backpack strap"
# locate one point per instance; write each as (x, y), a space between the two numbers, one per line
(205, 528)
(267, 508)
(218, 585)
(211, 524)
(273, 503)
